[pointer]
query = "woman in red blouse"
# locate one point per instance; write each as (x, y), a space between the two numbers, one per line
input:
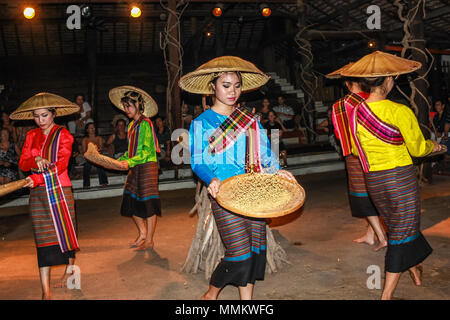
(46, 152)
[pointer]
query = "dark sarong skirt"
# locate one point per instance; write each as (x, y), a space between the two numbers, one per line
(141, 194)
(245, 248)
(360, 202)
(48, 250)
(395, 193)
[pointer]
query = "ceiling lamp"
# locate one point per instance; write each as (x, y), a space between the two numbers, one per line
(265, 10)
(135, 12)
(29, 13)
(217, 10)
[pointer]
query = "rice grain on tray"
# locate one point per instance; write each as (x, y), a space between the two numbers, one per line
(261, 192)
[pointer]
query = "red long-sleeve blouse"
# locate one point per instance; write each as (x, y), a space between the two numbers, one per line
(32, 148)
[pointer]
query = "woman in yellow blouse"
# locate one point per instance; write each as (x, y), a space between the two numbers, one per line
(392, 181)
(386, 135)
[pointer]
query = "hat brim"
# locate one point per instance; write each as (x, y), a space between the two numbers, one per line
(380, 64)
(150, 105)
(44, 100)
(199, 81)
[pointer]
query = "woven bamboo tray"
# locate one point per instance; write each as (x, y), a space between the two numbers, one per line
(95, 157)
(260, 195)
(11, 187)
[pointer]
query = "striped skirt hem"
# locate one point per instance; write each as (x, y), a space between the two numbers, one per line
(360, 203)
(141, 194)
(47, 246)
(395, 193)
(245, 248)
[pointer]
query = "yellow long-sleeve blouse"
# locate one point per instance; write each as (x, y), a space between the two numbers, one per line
(384, 156)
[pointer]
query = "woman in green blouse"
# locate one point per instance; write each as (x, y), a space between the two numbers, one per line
(141, 196)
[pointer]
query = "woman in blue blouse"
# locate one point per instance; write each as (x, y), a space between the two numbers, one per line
(219, 150)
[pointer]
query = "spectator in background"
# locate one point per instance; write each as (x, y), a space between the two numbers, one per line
(117, 143)
(8, 157)
(207, 104)
(264, 111)
(441, 121)
(186, 116)
(9, 125)
(21, 135)
(83, 117)
(285, 113)
(164, 139)
(91, 136)
(197, 111)
(274, 123)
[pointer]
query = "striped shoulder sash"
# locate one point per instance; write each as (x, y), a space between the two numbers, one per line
(364, 116)
(239, 122)
(59, 209)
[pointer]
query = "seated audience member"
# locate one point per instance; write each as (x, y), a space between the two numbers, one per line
(91, 136)
(285, 113)
(117, 143)
(441, 121)
(9, 152)
(207, 102)
(186, 116)
(198, 109)
(83, 117)
(274, 123)
(8, 124)
(264, 111)
(164, 139)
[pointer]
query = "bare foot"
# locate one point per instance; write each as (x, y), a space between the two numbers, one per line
(208, 296)
(381, 245)
(62, 283)
(47, 296)
(145, 246)
(416, 274)
(370, 240)
(139, 241)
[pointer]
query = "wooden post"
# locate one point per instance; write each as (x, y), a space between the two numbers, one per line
(421, 85)
(418, 34)
(91, 52)
(174, 107)
(219, 37)
(196, 41)
(309, 112)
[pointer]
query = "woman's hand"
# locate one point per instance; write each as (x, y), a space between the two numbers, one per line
(438, 147)
(286, 174)
(30, 183)
(213, 187)
(124, 164)
(42, 163)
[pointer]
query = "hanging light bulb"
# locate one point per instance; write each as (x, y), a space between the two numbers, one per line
(265, 10)
(135, 12)
(29, 13)
(217, 10)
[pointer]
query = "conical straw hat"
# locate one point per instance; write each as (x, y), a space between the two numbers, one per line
(337, 74)
(150, 106)
(380, 64)
(199, 81)
(44, 100)
(260, 195)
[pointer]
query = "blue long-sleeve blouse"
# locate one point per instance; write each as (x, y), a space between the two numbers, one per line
(232, 161)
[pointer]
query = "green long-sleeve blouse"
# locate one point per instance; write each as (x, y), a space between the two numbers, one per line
(146, 150)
